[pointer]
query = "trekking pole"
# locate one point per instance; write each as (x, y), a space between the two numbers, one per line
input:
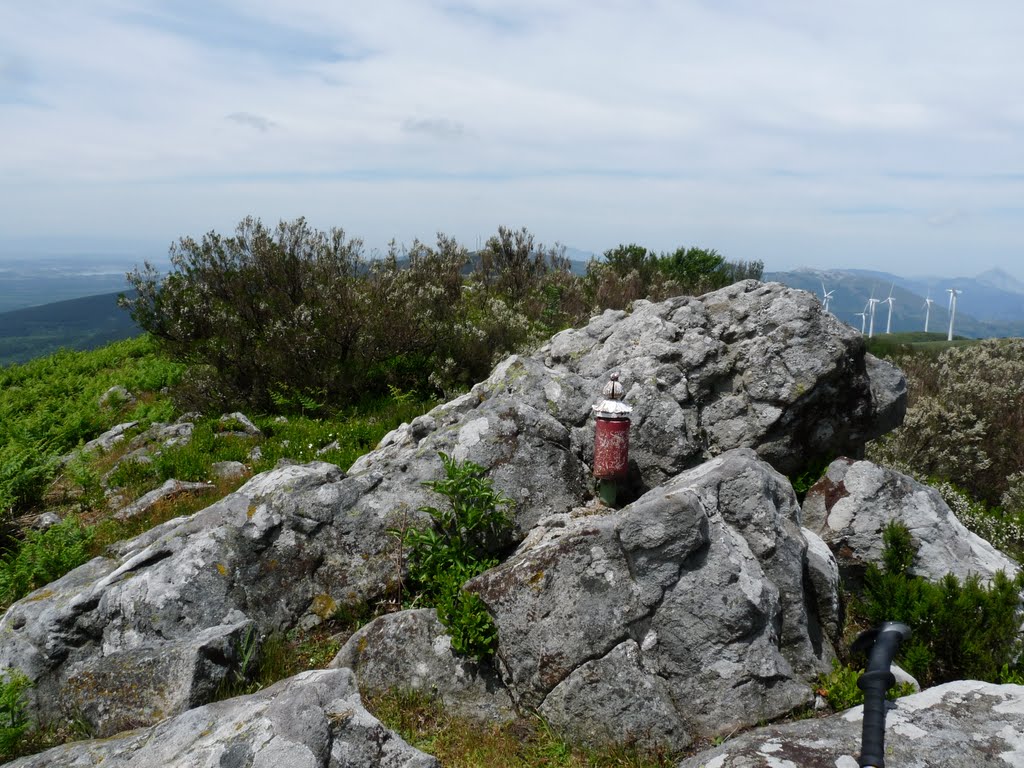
(880, 645)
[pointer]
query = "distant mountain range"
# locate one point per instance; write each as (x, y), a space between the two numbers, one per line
(989, 304)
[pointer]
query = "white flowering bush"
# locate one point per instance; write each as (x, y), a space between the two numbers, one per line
(965, 417)
(964, 433)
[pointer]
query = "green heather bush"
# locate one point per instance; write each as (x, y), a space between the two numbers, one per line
(631, 272)
(295, 319)
(964, 421)
(961, 630)
(463, 541)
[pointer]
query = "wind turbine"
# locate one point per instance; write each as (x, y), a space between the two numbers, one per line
(872, 303)
(889, 301)
(826, 296)
(863, 316)
(953, 293)
(928, 310)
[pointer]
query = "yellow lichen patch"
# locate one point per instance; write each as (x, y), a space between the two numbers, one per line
(537, 581)
(251, 511)
(222, 569)
(43, 594)
(323, 606)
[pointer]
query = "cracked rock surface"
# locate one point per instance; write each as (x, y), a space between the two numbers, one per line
(313, 720)
(148, 630)
(963, 724)
(853, 502)
(631, 625)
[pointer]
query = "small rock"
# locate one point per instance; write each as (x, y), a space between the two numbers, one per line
(238, 423)
(331, 446)
(45, 520)
(110, 438)
(116, 397)
(169, 490)
(412, 650)
(228, 470)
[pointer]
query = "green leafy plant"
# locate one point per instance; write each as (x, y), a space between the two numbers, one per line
(839, 687)
(14, 720)
(133, 474)
(463, 541)
(961, 629)
(803, 480)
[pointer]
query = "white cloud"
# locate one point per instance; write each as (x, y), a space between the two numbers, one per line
(788, 131)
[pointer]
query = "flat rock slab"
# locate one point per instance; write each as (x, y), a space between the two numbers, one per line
(313, 720)
(964, 724)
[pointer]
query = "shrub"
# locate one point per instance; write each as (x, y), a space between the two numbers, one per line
(464, 540)
(295, 319)
(839, 687)
(965, 420)
(961, 630)
(261, 309)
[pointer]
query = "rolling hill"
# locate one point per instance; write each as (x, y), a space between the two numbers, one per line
(82, 323)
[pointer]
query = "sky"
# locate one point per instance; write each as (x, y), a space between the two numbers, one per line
(861, 134)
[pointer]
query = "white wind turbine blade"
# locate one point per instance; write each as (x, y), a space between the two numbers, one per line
(953, 292)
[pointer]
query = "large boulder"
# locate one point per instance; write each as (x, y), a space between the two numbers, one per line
(151, 629)
(852, 503)
(753, 365)
(313, 720)
(628, 626)
(756, 366)
(965, 724)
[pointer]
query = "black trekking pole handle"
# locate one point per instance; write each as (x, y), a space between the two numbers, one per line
(881, 645)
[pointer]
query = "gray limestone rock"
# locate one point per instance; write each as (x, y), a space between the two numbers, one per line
(410, 650)
(228, 470)
(823, 575)
(110, 438)
(700, 586)
(116, 396)
(171, 489)
(596, 705)
(313, 720)
(964, 724)
(758, 366)
(754, 364)
(161, 435)
(851, 505)
(174, 603)
(238, 423)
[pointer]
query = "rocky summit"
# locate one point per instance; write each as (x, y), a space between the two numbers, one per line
(702, 605)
